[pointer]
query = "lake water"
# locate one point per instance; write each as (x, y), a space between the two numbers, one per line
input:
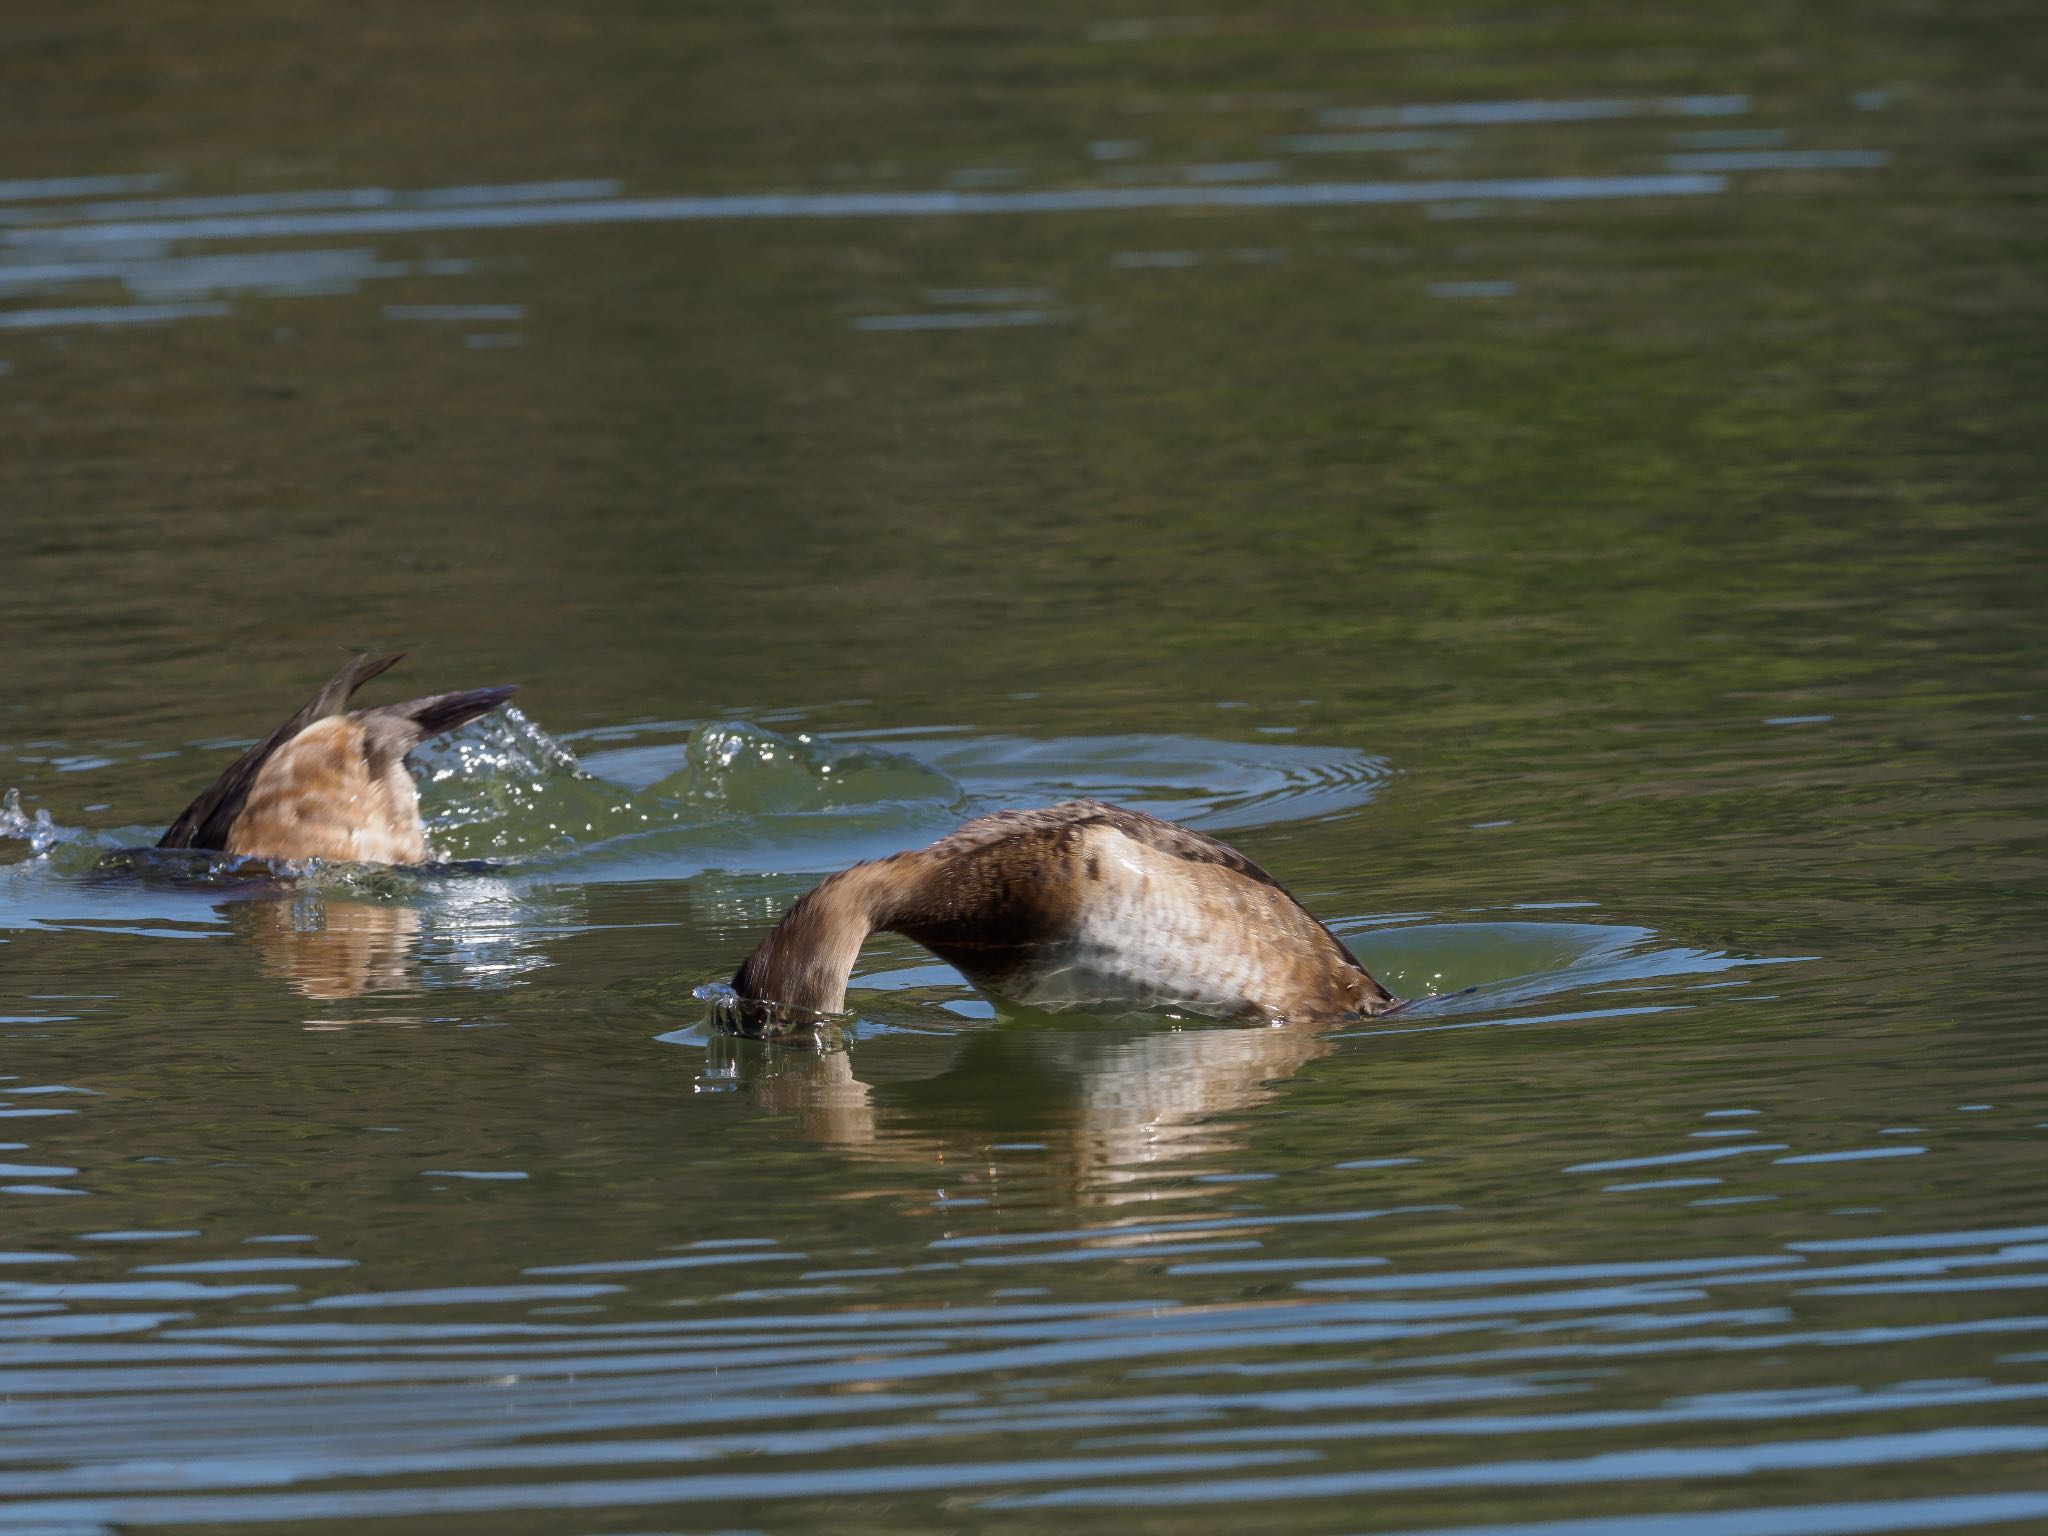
(1561, 488)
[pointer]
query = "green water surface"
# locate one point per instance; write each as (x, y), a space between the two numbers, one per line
(1591, 551)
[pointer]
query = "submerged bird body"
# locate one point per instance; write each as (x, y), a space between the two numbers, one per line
(330, 783)
(1081, 903)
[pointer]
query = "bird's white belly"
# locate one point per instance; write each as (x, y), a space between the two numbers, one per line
(1141, 939)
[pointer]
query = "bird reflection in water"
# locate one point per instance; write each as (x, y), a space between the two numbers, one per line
(1111, 1105)
(332, 950)
(469, 932)
(809, 1077)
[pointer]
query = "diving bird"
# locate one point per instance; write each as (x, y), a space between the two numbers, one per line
(1081, 903)
(331, 782)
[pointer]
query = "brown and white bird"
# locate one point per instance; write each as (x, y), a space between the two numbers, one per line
(331, 782)
(1081, 903)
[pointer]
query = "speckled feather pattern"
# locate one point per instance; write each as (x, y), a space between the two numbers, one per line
(325, 794)
(330, 783)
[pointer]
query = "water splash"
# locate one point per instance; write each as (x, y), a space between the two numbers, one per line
(747, 814)
(732, 1014)
(744, 770)
(38, 831)
(503, 788)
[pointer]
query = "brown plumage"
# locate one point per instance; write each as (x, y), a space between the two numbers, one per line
(330, 783)
(1075, 904)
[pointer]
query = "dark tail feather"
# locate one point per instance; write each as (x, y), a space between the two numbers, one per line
(445, 711)
(340, 688)
(205, 822)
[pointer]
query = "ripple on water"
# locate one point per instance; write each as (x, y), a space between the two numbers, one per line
(737, 797)
(660, 802)
(1106, 1115)
(731, 797)
(1511, 964)
(672, 801)
(1352, 1384)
